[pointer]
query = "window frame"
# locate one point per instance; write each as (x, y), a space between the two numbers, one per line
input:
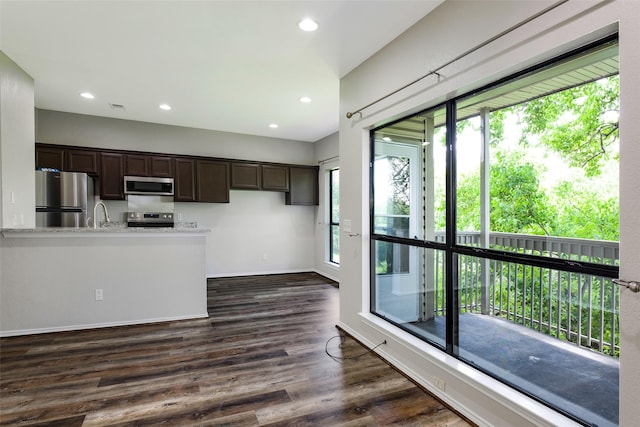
(451, 248)
(330, 220)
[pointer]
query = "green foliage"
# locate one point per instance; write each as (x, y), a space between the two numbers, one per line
(586, 213)
(496, 126)
(580, 123)
(572, 123)
(517, 203)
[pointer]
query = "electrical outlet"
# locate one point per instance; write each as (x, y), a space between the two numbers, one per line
(99, 295)
(265, 257)
(440, 383)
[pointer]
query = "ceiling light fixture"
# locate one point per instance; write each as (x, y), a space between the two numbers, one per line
(165, 107)
(305, 99)
(308, 25)
(87, 95)
(273, 126)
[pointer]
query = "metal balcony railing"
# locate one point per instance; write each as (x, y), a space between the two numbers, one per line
(578, 308)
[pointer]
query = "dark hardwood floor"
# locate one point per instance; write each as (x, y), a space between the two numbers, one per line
(258, 360)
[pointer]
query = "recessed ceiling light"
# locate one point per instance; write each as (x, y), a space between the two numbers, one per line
(273, 126)
(165, 107)
(308, 25)
(87, 95)
(386, 139)
(305, 99)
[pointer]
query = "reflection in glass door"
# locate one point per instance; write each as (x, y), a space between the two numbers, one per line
(396, 208)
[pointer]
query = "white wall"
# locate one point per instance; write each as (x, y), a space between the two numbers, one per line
(54, 127)
(256, 233)
(629, 217)
(326, 154)
(451, 29)
(17, 181)
(49, 279)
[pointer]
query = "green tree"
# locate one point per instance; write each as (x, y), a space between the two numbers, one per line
(580, 123)
(586, 214)
(517, 203)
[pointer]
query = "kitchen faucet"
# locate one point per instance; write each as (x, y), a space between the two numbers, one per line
(95, 214)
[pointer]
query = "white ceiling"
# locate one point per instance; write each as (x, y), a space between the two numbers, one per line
(234, 66)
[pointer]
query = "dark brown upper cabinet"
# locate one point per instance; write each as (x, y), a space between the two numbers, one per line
(275, 178)
(82, 161)
(68, 159)
(184, 188)
(196, 179)
(303, 186)
(137, 165)
(49, 157)
(148, 165)
(162, 166)
(246, 176)
(212, 181)
(111, 176)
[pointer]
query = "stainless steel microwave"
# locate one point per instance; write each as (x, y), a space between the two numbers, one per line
(148, 185)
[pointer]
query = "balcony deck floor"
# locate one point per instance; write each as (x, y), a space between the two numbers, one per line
(570, 378)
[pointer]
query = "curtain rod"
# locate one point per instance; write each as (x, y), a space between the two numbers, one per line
(459, 57)
(330, 159)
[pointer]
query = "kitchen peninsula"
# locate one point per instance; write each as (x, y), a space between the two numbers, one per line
(56, 279)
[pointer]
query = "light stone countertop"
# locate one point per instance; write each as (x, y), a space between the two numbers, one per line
(117, 229)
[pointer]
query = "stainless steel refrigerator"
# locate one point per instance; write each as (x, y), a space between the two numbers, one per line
(61, 199)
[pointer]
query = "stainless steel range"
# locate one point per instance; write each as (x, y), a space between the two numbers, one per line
(150, 219)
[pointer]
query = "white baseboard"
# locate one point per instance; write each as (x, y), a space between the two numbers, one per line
(67, 328)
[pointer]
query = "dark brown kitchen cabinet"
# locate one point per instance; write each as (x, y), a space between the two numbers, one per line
(86, 161)
(148, 165)
(111, 176)
(137, 165)
(184, 185)
(275, 178)
(246, 176)
(49, 157)
(303, 186)
(212, 181)
(161, 166)
(196, 178)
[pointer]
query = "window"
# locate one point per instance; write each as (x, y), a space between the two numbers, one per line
(334, 216)
(494, 230)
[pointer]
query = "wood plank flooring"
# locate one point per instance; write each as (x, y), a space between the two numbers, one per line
(259, 360)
